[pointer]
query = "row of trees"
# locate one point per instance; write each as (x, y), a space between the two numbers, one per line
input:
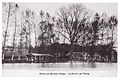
(73, 24)
(79, 26)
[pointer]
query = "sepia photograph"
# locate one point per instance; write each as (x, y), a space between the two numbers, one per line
(68, 39)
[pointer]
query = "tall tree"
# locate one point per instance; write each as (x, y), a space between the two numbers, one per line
(28, 28)
(95, 25)
(71, 20)
(14, 35)
(34, 26)
(41, 24)
(10, 9)
(7, 23)
(46, 27)
(103, 27)
(112, 25)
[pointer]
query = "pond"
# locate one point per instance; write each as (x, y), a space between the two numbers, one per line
(28, 69)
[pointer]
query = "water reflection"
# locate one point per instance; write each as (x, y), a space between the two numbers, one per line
(43, 65)
(52, 66)
(92, 65)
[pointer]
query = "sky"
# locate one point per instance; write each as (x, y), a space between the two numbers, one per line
(109, 8)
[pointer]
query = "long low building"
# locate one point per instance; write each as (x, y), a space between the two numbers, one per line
(35, 54)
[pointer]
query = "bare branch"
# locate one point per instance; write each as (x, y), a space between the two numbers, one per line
(63, 35)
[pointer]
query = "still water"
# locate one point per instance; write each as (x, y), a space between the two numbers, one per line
(30, 69)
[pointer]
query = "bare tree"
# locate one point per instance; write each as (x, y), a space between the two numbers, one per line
(11, 11)
(113, 25)
(103, 27)
(20, 47)
(95, 26)
(34, 26)
(41, 24)
(46, 27)
(28, 21)
(72, 20)
(27, 27)
(14, 35)
(7, 23)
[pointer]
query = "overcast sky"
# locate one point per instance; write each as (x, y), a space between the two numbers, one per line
(108, 8)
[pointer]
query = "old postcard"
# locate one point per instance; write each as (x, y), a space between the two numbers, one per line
(59, 39)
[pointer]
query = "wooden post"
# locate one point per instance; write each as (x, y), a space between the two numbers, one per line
(2, 56)
(12, 56)
(19, 57)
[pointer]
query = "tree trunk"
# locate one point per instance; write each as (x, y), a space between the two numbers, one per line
(29, 37)
(71, 50)
(2, 58)
(12, 57)
(35, 35)
(4, 44)
(19, 57)
(112, 44)
(14, 36)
